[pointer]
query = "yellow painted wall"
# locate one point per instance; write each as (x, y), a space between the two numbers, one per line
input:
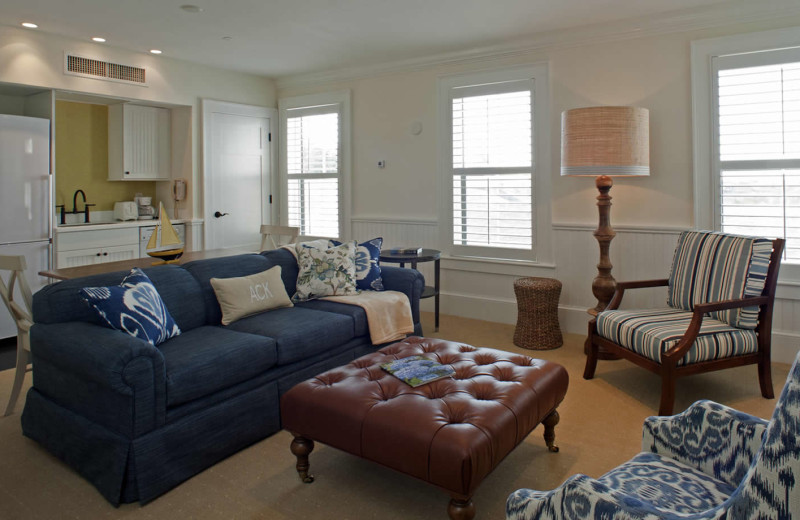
(82, 159)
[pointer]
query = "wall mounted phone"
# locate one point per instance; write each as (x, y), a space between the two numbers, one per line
(178, 194)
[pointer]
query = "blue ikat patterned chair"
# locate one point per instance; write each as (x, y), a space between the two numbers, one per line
(720, 295)
(709, 462)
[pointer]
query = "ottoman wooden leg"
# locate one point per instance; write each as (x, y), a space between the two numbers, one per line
(550, 430)
(301, 448)
(459, 509)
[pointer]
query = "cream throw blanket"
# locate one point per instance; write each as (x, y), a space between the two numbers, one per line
(388, 312)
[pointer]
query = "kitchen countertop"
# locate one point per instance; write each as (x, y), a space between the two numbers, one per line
(117, 224)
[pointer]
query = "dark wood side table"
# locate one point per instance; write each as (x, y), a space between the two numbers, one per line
(427, 255)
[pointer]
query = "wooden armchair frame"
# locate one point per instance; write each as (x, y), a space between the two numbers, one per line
(668, 369)
(268, 234)
(22, 318)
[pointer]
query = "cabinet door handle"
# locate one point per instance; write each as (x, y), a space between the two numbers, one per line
(105, 254)
(98, 254)
(127, 173)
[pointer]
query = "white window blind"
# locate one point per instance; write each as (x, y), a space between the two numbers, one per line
(758, 139)
(492, 165)
(313, 170)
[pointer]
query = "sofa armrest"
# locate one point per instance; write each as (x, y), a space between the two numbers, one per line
(105, 375)
(711, 437)
(408, 281)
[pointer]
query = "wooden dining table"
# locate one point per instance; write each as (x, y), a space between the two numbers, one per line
(67, 273)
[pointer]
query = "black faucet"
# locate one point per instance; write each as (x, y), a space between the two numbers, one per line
(85, 205)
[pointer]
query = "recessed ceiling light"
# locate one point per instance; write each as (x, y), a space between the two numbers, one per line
(29, 25)
(190, 8)
(227, 38)
(155, 51)
(98, 39)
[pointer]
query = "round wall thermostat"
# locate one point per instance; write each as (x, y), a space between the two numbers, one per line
(416, 128)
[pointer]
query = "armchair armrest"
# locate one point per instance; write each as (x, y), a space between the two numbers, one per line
(700, 310)
(640, 284)
(753, 301)
(105, 375)
(711, 437)
(578, 497)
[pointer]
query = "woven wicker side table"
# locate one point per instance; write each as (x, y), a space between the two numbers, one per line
(537, 313)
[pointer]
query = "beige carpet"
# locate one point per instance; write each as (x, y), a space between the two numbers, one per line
(600, 428)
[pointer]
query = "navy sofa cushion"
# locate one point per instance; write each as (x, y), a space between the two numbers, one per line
(300, 333)
(359, 316)
(209, 359)
(224, 267)
(61, 302)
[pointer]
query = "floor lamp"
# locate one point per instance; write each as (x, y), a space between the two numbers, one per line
(605, 142)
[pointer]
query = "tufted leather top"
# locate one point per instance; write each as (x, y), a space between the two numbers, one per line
(451, 432)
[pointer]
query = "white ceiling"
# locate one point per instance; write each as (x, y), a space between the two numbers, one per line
(280, 38)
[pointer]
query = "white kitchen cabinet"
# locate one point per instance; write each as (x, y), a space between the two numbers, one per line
(86, 247)
(139, 146)
(96, 256)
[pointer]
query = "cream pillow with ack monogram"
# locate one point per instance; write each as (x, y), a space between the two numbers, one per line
(248, 295)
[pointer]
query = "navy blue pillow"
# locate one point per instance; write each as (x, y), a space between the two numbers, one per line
(134, 307)
(368, 270)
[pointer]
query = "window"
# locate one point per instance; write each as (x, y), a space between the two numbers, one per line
(752, 173)
(491, 163)
(314, 163)
(758, 145)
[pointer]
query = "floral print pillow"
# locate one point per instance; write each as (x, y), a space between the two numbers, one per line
(326, 272)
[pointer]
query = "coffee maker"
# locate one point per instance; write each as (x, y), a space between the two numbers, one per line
(145, 206)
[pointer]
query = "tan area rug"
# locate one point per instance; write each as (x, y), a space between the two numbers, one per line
(600, 427)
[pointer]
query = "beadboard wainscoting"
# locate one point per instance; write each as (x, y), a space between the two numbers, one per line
(483, 288)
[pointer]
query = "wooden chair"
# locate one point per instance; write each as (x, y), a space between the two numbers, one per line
(16, 265)
(269, 234)
(721, 293)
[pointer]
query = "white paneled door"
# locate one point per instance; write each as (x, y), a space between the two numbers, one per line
(238, 174)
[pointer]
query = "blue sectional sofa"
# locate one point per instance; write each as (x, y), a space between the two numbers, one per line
(136, 420)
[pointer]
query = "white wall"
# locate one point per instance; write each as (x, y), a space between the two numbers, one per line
(400, 201)
(37, 59)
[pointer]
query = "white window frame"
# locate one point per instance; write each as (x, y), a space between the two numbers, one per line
(341, 99)
(542, 248)
(705, 160)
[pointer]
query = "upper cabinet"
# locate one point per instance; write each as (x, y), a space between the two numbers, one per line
(139, 143)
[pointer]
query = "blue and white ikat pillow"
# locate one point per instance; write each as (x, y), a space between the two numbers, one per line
(134, 307)
(368, 269)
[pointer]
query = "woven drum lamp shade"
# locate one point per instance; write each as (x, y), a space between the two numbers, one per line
(608, 141)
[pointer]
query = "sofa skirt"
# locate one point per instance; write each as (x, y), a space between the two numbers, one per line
(127, 470)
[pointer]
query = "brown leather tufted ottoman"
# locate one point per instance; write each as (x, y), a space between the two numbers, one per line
(450, 433)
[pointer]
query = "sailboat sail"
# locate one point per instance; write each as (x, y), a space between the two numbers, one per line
(164, 241)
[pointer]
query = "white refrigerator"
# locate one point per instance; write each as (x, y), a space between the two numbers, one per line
(25, 213)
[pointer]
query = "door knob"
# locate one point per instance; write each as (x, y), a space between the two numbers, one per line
(217, 214)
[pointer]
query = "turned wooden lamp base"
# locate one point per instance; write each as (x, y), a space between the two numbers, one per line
(604, 285)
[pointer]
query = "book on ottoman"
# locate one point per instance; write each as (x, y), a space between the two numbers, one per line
(417, 370)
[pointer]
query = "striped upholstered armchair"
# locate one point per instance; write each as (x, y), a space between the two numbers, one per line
(720, 295)
(709, 462)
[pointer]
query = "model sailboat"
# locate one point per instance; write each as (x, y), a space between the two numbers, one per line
(164, 243)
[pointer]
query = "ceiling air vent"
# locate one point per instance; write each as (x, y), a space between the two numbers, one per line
(98, 69)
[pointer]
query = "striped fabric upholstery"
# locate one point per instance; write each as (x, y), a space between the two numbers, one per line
(710, 266)
(654, 331)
